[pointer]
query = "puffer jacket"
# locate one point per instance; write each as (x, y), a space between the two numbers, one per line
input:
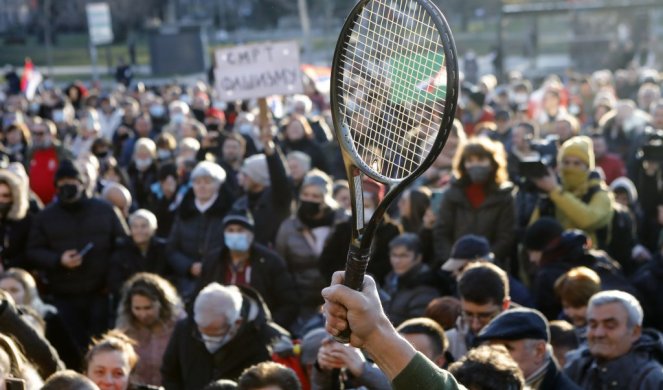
(57, 229)
(15, 226)
(412, 293)
(494, 219)
(639, 369)
(302, 261)
(193, 236)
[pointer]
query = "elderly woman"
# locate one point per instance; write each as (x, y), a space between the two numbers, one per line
(142, 170)
(198, 227)
(302, 237)
(479, 200)
(147, 313)
(110, 360)
(144, 253)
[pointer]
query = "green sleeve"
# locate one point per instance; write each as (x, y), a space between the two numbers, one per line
(422, 374)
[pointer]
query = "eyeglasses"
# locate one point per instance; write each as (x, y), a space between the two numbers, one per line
(481, 317)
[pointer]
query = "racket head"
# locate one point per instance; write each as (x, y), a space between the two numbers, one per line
(394, 89)
(388, 64)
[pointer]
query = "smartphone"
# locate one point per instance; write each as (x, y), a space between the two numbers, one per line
(15, 384)
(86, 249)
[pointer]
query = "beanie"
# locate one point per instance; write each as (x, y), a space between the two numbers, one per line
(255, 167)
(318, 178)
(68, 169)
(580, 147)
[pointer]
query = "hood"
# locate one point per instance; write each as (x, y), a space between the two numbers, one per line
(20, 200)
(651, 342)
(626, 184)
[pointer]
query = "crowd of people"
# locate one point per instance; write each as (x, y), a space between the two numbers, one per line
(154, 236)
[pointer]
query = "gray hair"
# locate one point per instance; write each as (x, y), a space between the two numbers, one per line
(216, 300)
(301, 158)
(147, 144)
(208, 168)
(628, 301)
(146, 215)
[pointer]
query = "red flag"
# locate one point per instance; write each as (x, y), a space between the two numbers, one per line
(27, 74)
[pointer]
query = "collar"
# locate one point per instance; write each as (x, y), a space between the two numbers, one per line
(536, 378)
(204, 206)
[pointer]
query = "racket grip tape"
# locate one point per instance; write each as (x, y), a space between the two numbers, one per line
(355, 270)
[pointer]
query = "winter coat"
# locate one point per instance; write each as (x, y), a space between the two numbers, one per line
(555, 379)
(649, 282)
(335, 252)
(57, 229)
(15, 226)
(639, 369)
(140, 182)
(493, 219)
(571, 253)
(273, 205)
(188, 365)
(195, 235)
(128, 260)
(269, 276)
(412, 293)
(295, 249)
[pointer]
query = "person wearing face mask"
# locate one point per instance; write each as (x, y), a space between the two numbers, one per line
(75, 279)
(15, 220)
(581, 201)
(243, 261)
(301, 238)
(479, 200)
(230, 330)
(143, 170)
(179, 113)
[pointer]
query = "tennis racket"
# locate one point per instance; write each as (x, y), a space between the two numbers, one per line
(394, 90)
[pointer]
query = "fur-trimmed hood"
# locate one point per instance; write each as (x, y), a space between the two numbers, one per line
(20, 201)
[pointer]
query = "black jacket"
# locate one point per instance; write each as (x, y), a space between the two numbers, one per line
(555, 379)
(271, 206)
(410, 295)
(195, 235)
(141, 182)
(649, 282)
(269, 277)
(56, 229)
(188, 365)
(128, 260)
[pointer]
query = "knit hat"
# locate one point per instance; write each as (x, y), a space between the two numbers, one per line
(311, 343)
(542, 232)
(467, 248)
(210, 169)
(318, 178)
(241, 217)
(581, 147)
(516, 324)
(68, 169)
(255, 167)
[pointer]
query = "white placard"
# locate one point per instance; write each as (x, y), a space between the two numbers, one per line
(258, 70)
(99, 23)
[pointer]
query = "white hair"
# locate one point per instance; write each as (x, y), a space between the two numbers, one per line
(178, 104)
(302, 158)
(190, 143)
(145, 143)
(146, 215)
(303, 100)
(208, 168)
(628, 301)
(111, 187)
(216, 300)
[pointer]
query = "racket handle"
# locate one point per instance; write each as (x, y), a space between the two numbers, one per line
(355, 269)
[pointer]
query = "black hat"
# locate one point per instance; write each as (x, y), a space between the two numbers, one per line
(542, 232)
(68, 169)
(478, 97)
(468, 247)
(516, 324)
(239, 216)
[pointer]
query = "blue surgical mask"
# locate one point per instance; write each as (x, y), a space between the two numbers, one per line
(238, 242)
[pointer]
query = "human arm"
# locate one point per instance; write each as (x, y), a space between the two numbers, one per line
(372, 331)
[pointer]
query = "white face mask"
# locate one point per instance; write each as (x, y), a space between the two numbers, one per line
(143, 163)
(214, 343)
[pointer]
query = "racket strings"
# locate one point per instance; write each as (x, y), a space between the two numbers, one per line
(392, 137)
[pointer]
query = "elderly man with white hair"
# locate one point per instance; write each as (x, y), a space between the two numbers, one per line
(143, 253)
(229, 332)
(620, 354)
(198, 227)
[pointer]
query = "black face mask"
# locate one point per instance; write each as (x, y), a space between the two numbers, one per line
(308, 211)
(68, 193)
(4, 208)
(198, 114)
